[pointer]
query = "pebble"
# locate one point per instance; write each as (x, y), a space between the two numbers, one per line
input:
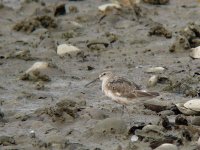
(105, 7)
(134, 138)
(155, 70)
(167, 146)
(157, 105)
(195, 52)
(67, 49)
(152, 81)
(37, 66)
(32, 134)
(181, 120)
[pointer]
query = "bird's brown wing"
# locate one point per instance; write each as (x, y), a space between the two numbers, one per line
(122, 87)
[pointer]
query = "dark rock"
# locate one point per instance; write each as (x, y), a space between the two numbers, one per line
(135, 127)
(181, 120)
(164, 121)
(156, 105)
(60, 10)
(187, 135)
(90, 68)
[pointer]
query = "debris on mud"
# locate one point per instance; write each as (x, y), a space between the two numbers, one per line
(189, 37)
(160, 30)
(64, 110)
(37, 72)
(6, 140)
(31, 24)
(187, 86)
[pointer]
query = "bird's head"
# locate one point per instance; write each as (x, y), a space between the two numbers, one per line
(105, 75)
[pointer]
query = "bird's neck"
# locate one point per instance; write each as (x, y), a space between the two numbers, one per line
(104, 82)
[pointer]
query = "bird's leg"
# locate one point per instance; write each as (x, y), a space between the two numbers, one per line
(129, 116)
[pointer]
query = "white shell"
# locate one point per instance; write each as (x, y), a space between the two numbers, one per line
(67, 49)
(152, 80)
(104, 7)
(38, 66)
(167, 146)
(195, 52)
(155, 70)
(134, 138)
(193, 104)
(185, 110)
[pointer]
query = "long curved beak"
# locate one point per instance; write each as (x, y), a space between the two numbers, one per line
(91, 82)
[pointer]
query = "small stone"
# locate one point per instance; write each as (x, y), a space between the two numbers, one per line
(167, 112)
(37, 66)
(195, 52)
(67, 49)
(60, 10)
(134, 138)
(106, 7)
(156, 105)
(155, 70)
(181, 120)
(32, 134)
(152, 81)
(167, 146)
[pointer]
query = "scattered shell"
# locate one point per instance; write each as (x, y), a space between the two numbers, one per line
(134, 138)
(32, 134)
(152, 81)
(155, 70)
(193, 105)
(185, 110)
(105, 7)
(38, 66)
(167, 146)
(67, 49)
(195, 53)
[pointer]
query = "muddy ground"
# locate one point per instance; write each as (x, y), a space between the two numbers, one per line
(58, 112)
